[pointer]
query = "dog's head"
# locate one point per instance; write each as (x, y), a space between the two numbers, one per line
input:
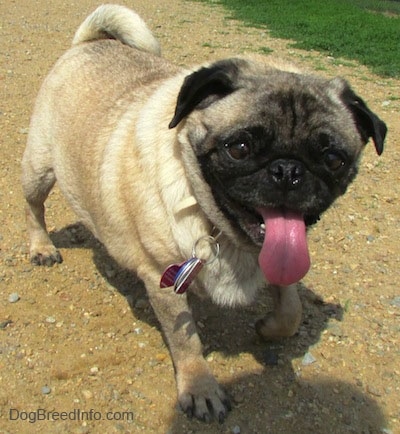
(276, 148)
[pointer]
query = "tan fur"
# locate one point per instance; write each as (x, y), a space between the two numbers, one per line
(100, 128)
(116, 162)
(119, 23)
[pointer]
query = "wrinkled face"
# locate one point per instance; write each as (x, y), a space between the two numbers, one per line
(285, 151)
(275, 149)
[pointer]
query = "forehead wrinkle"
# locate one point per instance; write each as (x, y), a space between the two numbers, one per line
(293, 112)
(289, 105)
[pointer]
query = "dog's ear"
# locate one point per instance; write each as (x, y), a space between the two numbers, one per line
(367, 122)
(205, 86)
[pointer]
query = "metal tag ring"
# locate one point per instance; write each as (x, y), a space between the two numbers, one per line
(214, 247)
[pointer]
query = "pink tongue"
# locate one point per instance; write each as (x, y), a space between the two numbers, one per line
(284, 257)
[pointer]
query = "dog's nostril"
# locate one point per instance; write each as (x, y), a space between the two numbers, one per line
(287, 174)
(277, 170)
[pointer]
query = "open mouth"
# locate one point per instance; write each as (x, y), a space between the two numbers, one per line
(253, 223)
(254, 227)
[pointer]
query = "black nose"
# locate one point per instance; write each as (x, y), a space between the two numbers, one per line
(287, 174)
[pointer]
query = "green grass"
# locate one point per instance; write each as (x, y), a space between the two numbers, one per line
(364, 30)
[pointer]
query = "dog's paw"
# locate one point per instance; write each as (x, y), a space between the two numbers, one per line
(201, 396)
(46, 257)
(274, 327)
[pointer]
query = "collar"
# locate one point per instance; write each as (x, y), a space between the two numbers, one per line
(185, 203)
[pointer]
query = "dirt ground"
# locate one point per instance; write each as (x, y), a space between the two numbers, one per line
(81, 336)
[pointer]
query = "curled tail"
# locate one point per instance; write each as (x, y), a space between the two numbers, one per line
(117, 22)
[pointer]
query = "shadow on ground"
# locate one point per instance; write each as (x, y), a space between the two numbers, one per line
(257, 398)
(307, 408)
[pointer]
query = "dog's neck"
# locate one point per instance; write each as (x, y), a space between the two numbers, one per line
(189, 202)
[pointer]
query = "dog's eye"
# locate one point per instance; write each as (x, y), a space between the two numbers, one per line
(238, 151)
(334, 160)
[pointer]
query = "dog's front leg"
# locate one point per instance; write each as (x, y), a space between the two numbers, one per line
(199, 394)
(284, 321)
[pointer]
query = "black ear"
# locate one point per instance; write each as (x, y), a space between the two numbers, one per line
(203, 87)
(367, 122)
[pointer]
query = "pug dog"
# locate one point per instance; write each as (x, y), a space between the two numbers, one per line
(201, 179)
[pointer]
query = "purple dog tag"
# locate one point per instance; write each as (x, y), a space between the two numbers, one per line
(180, 276)
(169, 275)
(187, 274)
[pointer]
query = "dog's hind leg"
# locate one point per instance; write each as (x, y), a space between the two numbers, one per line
(38, 179)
